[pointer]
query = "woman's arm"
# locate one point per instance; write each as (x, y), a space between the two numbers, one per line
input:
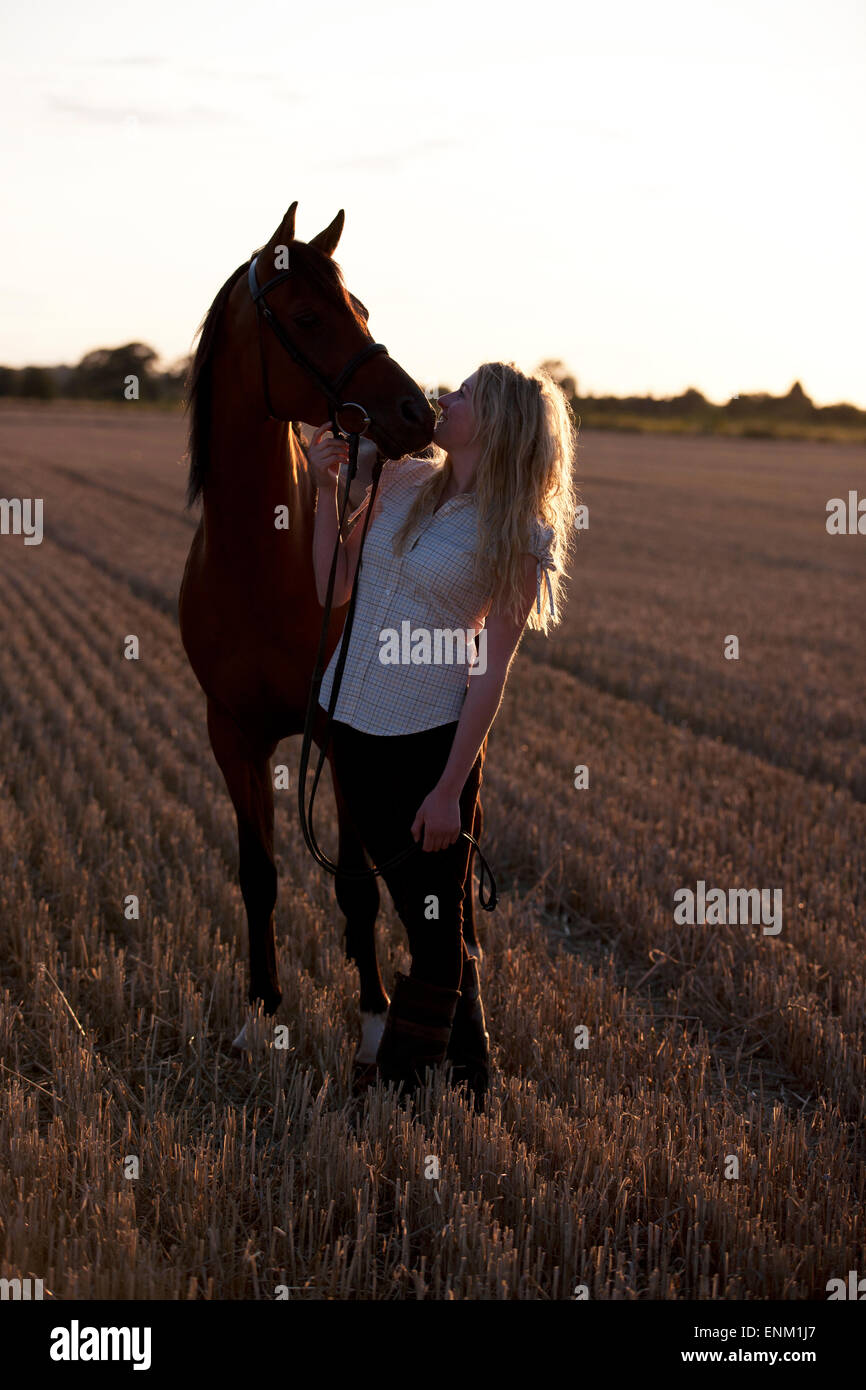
(324, 539)
(325, 456)
(439, 814)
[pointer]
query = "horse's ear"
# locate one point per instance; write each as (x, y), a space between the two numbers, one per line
(286, 230)
(327, 240)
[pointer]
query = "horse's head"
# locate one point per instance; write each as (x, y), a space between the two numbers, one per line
(328, 325)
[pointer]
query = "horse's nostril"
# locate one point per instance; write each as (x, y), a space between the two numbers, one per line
(413, 412)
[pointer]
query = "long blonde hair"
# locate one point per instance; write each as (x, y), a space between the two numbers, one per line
(525, 472)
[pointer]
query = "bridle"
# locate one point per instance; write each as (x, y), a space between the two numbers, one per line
(331, 390)
(353, 425)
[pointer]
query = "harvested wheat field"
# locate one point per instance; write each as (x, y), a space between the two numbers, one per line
(707, 1142)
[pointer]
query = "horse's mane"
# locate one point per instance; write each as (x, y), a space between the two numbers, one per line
(199, 390)
(318, 268)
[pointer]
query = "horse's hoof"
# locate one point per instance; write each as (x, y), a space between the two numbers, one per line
(364, 1075)
(372, 1028)
(253, 1036)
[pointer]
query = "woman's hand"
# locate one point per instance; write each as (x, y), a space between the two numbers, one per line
(438, 820)
(326, 458)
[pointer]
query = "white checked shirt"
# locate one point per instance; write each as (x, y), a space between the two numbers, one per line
(430, 587)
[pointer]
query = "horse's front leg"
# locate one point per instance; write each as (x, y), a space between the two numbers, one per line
(246, 767)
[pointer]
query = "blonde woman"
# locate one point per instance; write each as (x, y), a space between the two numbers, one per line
(474, 540)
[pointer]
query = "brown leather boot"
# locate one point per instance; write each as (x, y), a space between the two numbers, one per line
(417, 1030)
(469, 1045)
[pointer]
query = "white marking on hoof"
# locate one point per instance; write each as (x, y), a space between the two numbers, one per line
(254, 1034)
(372, 1028)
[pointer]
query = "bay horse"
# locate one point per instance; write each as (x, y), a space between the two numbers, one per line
(248, 611)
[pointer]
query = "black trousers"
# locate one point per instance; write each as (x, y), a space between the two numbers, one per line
(384, 779)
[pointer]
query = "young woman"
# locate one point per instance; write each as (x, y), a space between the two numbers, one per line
(472, 539)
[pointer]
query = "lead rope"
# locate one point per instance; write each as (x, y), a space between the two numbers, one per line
(489, 902)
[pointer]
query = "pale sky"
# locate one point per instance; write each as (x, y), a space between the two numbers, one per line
(662, 195)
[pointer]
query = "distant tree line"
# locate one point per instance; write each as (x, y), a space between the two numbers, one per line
(692, 405)
(101, 375)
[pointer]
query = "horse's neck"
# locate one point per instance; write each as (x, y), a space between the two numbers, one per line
(303, 486)
(255, 469)
(303, 495)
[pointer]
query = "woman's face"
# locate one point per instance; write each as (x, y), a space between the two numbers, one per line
(456, 424)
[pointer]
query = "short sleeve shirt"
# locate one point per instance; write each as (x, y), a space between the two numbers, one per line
(417, 614)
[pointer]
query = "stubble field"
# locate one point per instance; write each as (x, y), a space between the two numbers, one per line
(606, 1167)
